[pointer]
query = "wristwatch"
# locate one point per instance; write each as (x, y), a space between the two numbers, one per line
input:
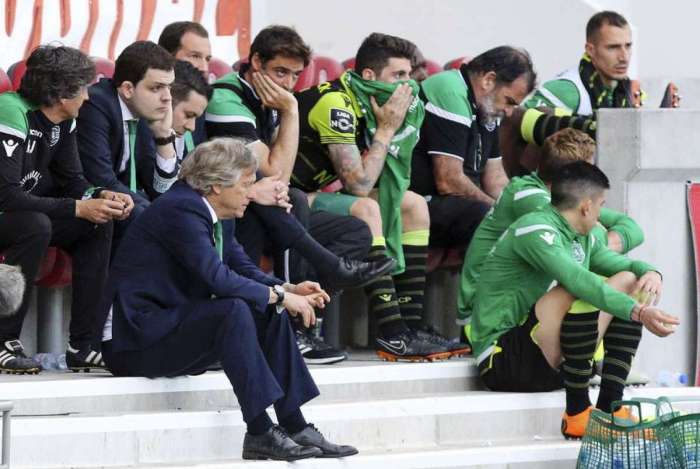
(279, 291)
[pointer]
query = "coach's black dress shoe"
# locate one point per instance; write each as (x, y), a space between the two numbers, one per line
(352, 273)
(277, 445)
(310, 436)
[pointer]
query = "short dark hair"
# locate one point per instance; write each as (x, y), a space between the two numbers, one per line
(134, 61)
(564, 147)
(188, 78)
(602, 18)
(508, 63)
(171, 37)
(377, 48)
(277, 40)
(575, 182)
(54, 73)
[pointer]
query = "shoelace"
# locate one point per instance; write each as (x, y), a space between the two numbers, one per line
(276, 429)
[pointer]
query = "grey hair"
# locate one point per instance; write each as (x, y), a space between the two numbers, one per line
(11, 289)
(220, 161)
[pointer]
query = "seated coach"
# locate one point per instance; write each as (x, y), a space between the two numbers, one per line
(179, 300)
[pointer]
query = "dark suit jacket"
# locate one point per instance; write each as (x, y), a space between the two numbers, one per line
(167, 264)
(101, 140)
(150, 176)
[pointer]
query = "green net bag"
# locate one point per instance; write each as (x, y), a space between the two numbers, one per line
(681, 430)
(616, 443)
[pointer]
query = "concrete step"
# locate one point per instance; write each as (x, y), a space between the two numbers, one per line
(364, 376)
(516, 454)
(465, 419)
(475, 418)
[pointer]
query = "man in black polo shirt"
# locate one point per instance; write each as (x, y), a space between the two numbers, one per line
(456, 163)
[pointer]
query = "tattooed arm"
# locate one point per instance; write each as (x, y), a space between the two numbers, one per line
(358, 174)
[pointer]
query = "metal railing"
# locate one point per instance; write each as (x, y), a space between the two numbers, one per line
(5, 408)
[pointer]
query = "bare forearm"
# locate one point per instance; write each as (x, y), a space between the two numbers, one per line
(461, 186)
(283, 152)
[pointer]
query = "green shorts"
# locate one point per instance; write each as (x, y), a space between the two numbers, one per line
(333, 202)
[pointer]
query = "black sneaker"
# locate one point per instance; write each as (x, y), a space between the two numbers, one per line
(317, 352)
(14, 361)
(408, 346)
(84, 360)
(456, 348)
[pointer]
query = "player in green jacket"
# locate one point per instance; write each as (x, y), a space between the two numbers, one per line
(529, 193)
(524, 335)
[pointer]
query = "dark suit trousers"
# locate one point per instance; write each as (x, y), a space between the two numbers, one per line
(24, 239)
(262, 226)
(258, 353)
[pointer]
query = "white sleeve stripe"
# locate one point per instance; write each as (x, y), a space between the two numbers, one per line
(552, 98)
(228, 119)
(527, 193)
(451, 116)
(451, 155)
(529, 229)
(12, 131)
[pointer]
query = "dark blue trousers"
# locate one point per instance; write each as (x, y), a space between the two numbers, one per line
(258, 353)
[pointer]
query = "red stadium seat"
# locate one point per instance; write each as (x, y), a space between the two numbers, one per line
(5, 83)
(16, 72)
(217, 69)
(56, 269)
(103, 67)
(237, 65)
(456, 63)
(349, 64)
(432, 67)
(320, 69)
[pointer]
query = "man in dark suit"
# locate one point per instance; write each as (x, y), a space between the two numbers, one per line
(180, 299)
(137, 95)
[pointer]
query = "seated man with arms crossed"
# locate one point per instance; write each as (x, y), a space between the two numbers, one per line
(45, 199)
(179, 299)
(527, 338)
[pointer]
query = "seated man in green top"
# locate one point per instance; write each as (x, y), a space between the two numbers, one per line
(361, 129)
(600, 80)
(524, 335)
(529, 193)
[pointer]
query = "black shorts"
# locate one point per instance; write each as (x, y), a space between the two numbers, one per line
(453, 220)
(519, 365)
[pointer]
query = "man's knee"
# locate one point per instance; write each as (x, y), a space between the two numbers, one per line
(239, 317)
(34, 225)
(414, 209)
(366, 209)
(623, 281)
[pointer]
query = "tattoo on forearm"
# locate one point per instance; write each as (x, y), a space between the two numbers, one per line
(359, 174)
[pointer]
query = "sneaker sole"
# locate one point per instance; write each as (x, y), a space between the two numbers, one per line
(30, 371)
(460, 352)
(324, 361)
(390, 357)
(85, 369)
